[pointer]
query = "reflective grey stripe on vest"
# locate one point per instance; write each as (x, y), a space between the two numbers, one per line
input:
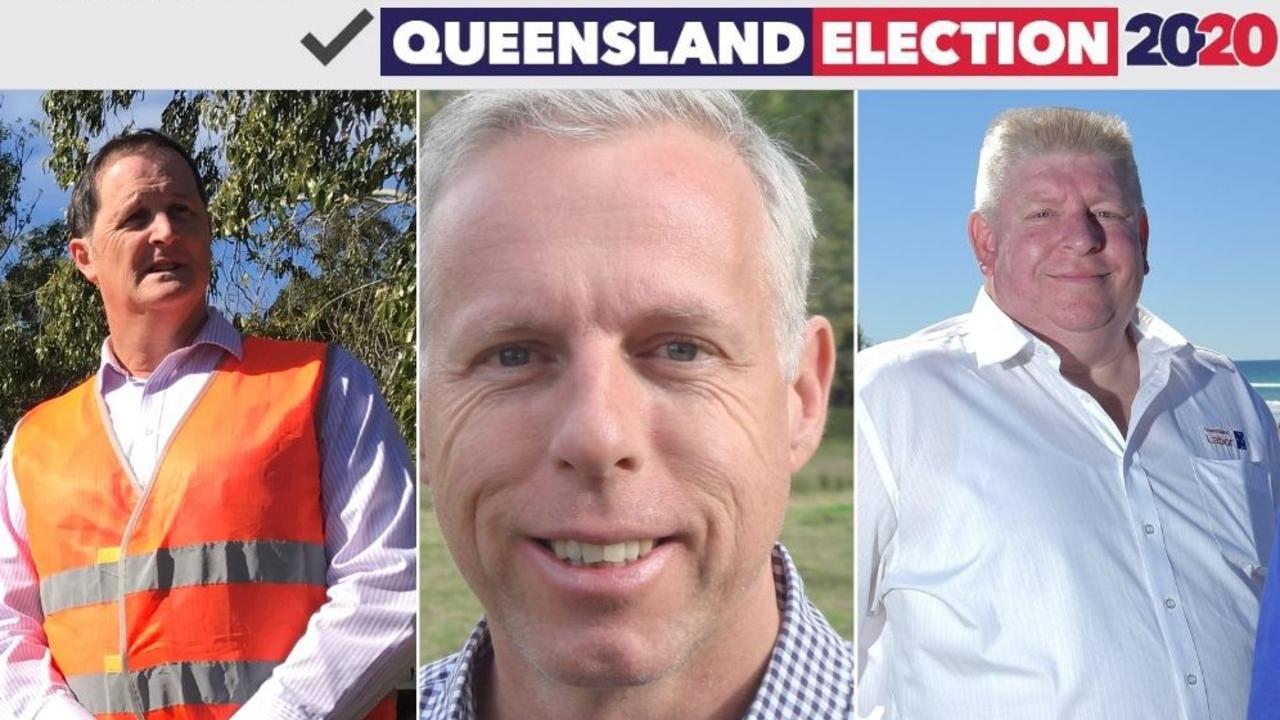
(262, 561)
(162, 686)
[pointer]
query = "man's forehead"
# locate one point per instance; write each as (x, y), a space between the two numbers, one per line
(647, 152)
(113, 167)
(530, 182)
(1049, 173)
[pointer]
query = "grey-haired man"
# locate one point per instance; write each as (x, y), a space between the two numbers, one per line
(620, 379)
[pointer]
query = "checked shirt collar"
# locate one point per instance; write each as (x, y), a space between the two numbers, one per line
(810, 673)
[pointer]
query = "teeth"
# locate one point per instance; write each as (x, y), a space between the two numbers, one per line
(618, 554)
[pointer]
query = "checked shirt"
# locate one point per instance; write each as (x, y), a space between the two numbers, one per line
(809, 677)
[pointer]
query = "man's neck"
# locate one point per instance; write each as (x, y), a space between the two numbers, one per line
(141, 342)
(717, 680)
(1106, 366)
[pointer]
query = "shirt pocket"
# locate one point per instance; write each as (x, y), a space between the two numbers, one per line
(1238, 507)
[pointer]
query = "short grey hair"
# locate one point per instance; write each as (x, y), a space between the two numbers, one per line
(475, 119)
(1026, 132)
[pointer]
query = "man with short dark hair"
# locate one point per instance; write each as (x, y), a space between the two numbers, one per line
(1063, 506)
(210, 525)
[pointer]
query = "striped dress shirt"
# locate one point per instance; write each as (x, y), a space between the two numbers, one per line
(360, 640)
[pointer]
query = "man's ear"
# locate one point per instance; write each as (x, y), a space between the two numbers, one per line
(983, 241)
(82, 255)
(810, 391)
(1144, 232)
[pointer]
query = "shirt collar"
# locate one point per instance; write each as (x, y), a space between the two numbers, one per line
(216, 331)
(994, 337)
(810, 673)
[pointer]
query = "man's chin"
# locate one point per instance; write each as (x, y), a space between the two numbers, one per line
(600, 658)
(603, 667)
(171, 295)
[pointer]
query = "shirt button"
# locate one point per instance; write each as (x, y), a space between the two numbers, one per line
(148, 431)
(1149, 529)
(1171, 604)
(1192, 679)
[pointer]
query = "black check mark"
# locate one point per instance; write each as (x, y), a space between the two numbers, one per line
(324, 53)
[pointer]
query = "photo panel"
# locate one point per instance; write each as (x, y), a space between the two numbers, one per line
(605, 284)
(1064, 487)
(207, 310)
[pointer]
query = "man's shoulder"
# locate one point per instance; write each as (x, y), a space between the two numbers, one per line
(65, 401)
(1213, 360)
(437, 682)
(1216, 379)
(938, 347)
(339, 361)
(444, 685)
(810, 673)
(279, 346)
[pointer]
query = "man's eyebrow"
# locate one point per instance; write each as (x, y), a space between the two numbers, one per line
(488, 327)
(1035, 194)
(491, 323)
(697, 315)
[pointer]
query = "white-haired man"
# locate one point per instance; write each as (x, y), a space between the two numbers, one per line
(620, 380)
(1063, 506)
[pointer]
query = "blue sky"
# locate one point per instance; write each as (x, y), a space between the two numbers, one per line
(1210, 168)
(38, 183)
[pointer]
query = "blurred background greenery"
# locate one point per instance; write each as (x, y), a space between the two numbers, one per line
(818, 531)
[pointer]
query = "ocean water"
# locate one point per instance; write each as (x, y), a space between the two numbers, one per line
(1264, 376)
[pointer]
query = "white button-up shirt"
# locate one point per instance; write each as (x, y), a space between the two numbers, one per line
(1019, 557)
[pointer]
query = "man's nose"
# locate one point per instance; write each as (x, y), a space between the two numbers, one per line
(162, 229)
(599, 428)
(1083, 233)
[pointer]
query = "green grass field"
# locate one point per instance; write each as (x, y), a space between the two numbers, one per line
(818, 532)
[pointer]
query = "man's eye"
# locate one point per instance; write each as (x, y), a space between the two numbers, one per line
(513, 356)
(681, 351)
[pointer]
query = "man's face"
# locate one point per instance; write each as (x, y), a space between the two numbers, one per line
(603, 383)
(1066, 252)
(148, 249)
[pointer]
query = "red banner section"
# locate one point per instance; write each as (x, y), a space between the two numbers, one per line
(965, 41)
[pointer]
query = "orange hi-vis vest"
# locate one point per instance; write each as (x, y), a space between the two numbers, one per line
(175, 601)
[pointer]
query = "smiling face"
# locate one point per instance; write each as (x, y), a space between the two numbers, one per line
(148, 250)
(608, 433)
(1065, 254)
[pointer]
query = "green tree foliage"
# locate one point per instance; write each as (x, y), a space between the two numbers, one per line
(312, 199)
(819, 127)
(49, 320)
